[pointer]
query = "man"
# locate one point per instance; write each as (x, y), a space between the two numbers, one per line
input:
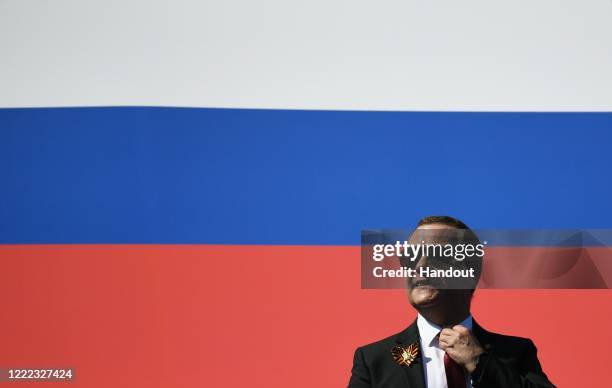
(445, 347)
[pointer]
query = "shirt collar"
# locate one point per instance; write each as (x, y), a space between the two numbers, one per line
(429, 330)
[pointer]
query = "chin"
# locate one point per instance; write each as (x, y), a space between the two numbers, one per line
(424, 298)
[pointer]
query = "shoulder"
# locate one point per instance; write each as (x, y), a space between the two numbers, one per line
(507, 352)
(383, 345)
(504, 344)
(510, 339)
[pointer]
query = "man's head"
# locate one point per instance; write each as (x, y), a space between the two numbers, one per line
(443, 299)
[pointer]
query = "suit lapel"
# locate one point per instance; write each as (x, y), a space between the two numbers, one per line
(482, 336)
(415, 372)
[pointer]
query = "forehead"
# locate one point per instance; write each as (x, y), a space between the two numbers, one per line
(434, 233)
(435, 226)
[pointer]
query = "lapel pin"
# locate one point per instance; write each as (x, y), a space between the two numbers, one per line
(405, 356)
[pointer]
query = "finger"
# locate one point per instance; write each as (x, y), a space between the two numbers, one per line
(461, 329)
(452, 353)
(444, 346)
(448, 336)
(447, 331)
(447, 341)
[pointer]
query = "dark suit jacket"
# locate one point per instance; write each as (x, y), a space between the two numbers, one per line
(509, 362)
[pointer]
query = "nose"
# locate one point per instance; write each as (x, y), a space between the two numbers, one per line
(421, 262)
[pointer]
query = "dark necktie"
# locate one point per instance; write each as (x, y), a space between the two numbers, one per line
(455, 378)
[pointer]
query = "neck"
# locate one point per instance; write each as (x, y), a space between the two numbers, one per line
(446, 317)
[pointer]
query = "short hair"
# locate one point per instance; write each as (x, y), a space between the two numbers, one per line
(470, 237)
(445, 220)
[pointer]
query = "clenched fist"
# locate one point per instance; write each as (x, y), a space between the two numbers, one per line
(461, 345)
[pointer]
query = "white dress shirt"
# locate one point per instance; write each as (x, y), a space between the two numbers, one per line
(433, 356)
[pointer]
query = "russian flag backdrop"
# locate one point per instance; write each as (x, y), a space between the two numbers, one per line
(220, 247)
